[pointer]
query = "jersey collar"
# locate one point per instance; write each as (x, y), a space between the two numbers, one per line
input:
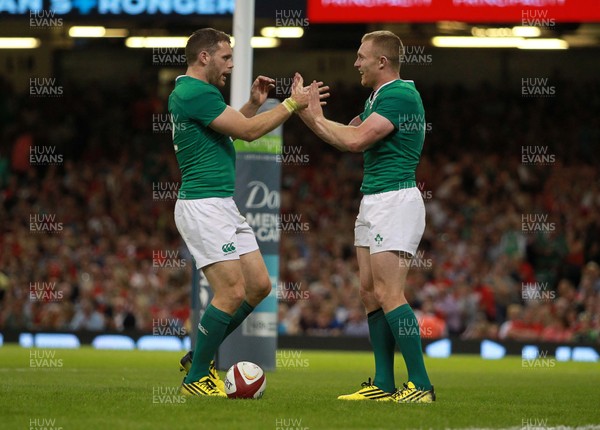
(374, 94)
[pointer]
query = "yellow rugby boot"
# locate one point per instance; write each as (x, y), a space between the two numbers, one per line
(204, 387)
(186, 363)
(367, 392)
(410, 394)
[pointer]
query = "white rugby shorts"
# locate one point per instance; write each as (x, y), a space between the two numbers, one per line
(391, 221)
(214, 230)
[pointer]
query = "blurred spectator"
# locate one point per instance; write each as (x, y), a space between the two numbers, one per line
(523, 324)
(431, 326)
(325, 323)
(356, 324)
(556, 330)
(87, 318)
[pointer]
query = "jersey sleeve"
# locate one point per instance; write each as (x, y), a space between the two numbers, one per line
(205, 106)
(398, 108)
(363, 114)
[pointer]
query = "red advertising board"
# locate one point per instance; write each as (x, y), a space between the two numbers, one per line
(522, 12)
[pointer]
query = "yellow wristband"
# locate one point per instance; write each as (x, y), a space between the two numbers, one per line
(290, 104)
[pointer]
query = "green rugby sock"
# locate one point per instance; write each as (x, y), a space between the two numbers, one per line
(383, 343)
(238, 317)
(405, 328)
(211, 329)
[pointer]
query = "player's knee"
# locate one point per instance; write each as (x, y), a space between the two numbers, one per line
(263, 287)
(229, 298)
(236, 291)
(237, 295)
(258, 290)
(380, 294)
(366, 294)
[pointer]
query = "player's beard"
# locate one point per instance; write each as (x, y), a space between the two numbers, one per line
(364, 80)
(215, 75)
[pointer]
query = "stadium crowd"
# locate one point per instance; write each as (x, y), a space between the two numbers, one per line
(511, 185)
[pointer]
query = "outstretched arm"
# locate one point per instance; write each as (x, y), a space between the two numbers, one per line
(356, 121)
(235, 124)
(353, 138)
(260, 91)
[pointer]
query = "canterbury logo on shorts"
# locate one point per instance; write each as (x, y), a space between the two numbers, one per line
(228, 248)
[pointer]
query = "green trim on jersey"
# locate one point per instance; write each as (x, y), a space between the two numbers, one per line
(206, 158)
(390, 164)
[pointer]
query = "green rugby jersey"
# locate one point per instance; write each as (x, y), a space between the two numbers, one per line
(206, 158)
(390, 164)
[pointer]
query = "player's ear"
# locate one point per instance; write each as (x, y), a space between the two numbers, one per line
(203, 57)
(383, 61)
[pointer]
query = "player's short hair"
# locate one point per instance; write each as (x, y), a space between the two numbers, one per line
(386, 44)
(205, 39)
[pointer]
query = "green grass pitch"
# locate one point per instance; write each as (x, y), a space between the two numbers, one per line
(89, 389)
